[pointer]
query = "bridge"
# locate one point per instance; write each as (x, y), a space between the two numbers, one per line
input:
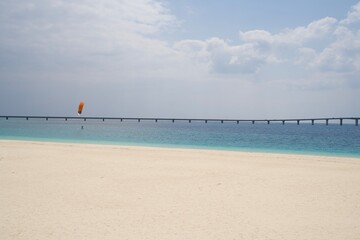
(340, 120)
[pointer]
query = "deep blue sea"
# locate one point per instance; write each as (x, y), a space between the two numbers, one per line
(305, 138)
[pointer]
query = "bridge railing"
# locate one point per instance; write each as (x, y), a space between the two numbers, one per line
(205, 120)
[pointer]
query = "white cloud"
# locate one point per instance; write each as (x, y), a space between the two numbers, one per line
(322, 47)
(258, 48)
(353, 15)
(224, 58)
(120, 37)
(83, 34)
(234, 59)
(48, 48)
(193, 48)
(300, 35)
(342, 55)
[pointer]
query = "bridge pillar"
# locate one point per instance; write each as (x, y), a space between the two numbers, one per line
(7, 118)
(327, 122)
(139, 120)
(27, 118)
(84, 119)
(341, 121)
(253, 122)
(205, 121)
(312, 122)
(103, 119)
(268, 122)
(47, 119)
(189, 120)
(298, 122)
(121, 119)
(173, 120)
(283, 122)
(155, 120)
(65, 119)
(237, 122)
(222, 121)
(356, 122)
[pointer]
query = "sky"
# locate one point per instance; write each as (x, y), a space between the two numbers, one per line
(180, 58)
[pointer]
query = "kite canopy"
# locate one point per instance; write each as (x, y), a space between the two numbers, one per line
(81, 105)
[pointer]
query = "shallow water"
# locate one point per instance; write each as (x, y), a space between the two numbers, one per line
(289, 138)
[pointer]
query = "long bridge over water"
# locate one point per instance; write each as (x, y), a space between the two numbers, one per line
(340, 120)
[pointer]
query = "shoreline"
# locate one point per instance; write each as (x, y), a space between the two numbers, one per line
(109, 146)
(187, 147)
(52, 190)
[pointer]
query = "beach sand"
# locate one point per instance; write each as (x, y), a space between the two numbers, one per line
(79, 191)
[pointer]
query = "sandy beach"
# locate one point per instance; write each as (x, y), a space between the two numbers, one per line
(79, 191)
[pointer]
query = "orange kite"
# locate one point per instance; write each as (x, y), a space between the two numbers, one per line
(81, 105)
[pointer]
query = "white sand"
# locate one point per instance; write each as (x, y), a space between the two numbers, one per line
(70, 191)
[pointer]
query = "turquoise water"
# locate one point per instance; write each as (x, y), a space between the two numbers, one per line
(289, 138)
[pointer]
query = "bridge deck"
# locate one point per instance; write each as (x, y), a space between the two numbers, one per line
(206, 120)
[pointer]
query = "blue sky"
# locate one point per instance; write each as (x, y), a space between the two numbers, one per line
(162, 58)
(226, 18)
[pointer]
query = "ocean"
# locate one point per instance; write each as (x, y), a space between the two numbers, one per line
(318, 139)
